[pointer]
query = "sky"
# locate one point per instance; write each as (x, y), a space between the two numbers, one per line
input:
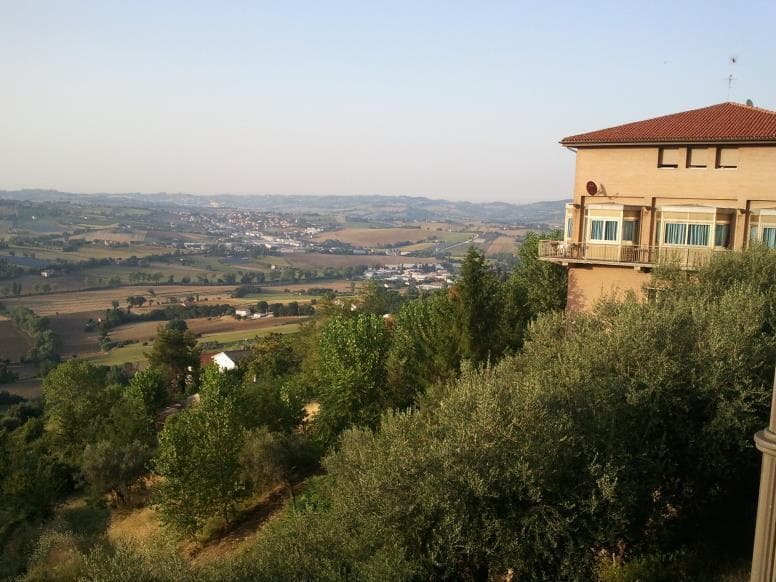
(456, 100)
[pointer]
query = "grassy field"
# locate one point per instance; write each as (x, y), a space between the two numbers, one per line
(379, 237)
(135, 353)
(237, 337)
(90, 251)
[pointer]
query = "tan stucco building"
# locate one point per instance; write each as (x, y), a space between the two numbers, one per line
(675, 188)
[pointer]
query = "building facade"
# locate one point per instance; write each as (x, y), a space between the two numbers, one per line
(676, 189)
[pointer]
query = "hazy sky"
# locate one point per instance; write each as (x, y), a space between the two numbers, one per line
(462, 100)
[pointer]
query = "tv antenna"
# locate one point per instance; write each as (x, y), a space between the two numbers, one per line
(732, 61)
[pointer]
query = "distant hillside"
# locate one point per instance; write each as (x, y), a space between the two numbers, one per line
(383, 208)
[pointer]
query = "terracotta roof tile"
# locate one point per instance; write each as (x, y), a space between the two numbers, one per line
(726, 122)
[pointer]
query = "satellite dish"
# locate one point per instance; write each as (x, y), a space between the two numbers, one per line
(749, 103)
(592, 188)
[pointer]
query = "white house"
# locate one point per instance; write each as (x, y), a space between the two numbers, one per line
(228, 360)
(243, 312)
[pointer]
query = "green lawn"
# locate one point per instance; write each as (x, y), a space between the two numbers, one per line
(228, 338)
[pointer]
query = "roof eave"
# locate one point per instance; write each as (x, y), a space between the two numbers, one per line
(707, 141)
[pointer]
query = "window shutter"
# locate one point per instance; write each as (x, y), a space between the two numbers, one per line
(727, 157)
(697, 157)
(669, 157)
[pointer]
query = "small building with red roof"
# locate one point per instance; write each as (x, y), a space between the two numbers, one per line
(676, 188)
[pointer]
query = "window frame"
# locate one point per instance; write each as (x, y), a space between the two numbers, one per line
(634, 239)
(718, 158)
(700, 151)
(604, 225)
(685, 228)
(661, 151)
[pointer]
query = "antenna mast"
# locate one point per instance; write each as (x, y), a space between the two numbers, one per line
(732, 60)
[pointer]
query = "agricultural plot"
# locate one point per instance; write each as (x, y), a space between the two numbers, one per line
(112, 235)
(135, 353)
(503, 244)
(13, 343)
(26, 388)
(229, 339)
(374, 237)
(321, 261)
(207, 326)
(89, 251)
(74, 339)
(98, 300)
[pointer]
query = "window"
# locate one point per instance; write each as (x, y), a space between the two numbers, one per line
(769, 237)
(569, 225)
(727, 157)
(668, 158)
(698, 235)
(675, 234)
(697, 157)
(629, 230)
(686, 234)
(603, 230)
(753, 234)
(597, 230)
(721, 235)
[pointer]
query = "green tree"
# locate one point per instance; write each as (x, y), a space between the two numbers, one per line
(150, 386)
(425, 348)
(375, 298)
(353, 351)
(544, 285)
(113, 469)
(175, 354)
(478, 300)
(269, 458)
(198, 457)
(619, 432)
(76, 402)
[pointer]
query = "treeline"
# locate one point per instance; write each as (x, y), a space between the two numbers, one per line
(290, 309)
(115, 317)
(9, 270)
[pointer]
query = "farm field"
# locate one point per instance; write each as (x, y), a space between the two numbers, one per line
(424, 246)
(13, 343)
(379, 237)
(110, 234)
(321, 261)
(503, 244)
(100, 299)
(374, 237)
(235, 338)
(27, 387)
(90, 251)
(146, 330)
(135, 353)
(58, 303)
(74, 339)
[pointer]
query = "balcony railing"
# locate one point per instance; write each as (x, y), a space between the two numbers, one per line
(684, 257)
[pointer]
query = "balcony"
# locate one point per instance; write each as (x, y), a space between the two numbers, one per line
(685, 257)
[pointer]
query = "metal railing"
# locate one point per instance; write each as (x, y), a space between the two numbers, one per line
(683, 256)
